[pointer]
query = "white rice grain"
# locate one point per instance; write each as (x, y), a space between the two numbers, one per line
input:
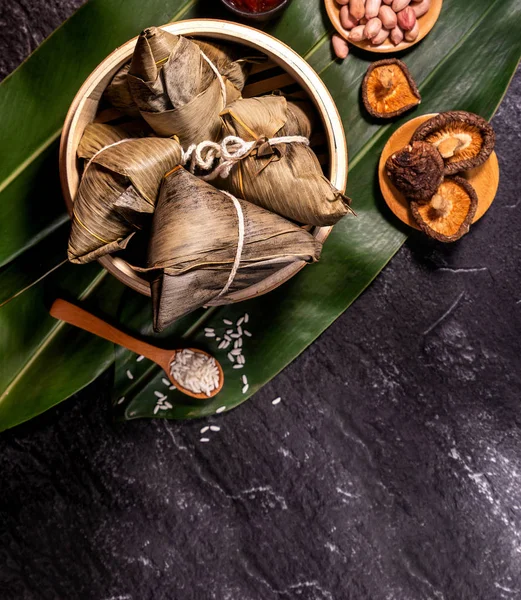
(227, 322)
(221, 409)
(121, 400)
(204, 440)
(204, 429)
(129, 374)
(244, 379)
(215, 428)
(156, 409)
(246, 317)
(238, 366)
(245, 388)
(231, 357)
(209, 329)
(166, 381)
(240, 322)
(276, 401)
(168, 405)
(246, 332)
(140, 358)
(160, 395)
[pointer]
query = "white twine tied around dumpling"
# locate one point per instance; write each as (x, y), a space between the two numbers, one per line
(230, 151)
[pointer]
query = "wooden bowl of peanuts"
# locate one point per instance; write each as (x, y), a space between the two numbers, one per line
(383, 25)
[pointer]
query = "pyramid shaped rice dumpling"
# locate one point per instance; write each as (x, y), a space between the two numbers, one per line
(118, 190)
(286, 179)
(206, 244)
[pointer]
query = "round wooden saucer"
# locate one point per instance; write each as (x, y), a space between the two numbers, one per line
(484, 179)
(427, 22)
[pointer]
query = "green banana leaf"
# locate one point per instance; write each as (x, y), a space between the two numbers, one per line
(466, 63)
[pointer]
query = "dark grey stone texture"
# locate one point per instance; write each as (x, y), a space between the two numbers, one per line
(391, 470)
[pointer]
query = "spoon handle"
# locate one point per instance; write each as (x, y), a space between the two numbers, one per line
(74, 315)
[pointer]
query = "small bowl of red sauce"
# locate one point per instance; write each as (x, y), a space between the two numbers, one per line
(257, 10)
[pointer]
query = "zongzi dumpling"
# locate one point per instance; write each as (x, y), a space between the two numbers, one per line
(177, 89)
(206, 244)
(117, 192)
(284, 178)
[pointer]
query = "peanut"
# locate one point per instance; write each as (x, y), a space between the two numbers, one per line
(346, 19)
(373, 28)
(381, 37)
(396, 36)
(357, 9)
(412, 34)
(371, 8)
(357, 33)
(399, 5)
(406, 19)
(388, 17)
(340, 46)
(420, 8)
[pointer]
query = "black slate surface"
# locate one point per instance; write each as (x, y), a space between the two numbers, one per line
(391, 469)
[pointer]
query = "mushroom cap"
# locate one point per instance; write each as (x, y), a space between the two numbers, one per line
(416, 170)
(450, 212)
(388, 89)
(468, 138)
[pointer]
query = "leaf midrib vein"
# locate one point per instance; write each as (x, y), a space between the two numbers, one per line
(48, 339)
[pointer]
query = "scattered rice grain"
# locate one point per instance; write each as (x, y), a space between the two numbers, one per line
(209, 329)
(129, 374)
(246, 317)
(172, 387)
(215, 428)
(240, 322)
(156, 409)
(166, 381)
(121, 400)
(246, 332)
(244, 379)
(239, 330)
(209, 334)
(277, 400)
(140, 358)
(168, 405)
(227, 322)
(231, 357)
(204, 429)
(221, 409)
(204, 440)
(236, 352)
(245, 388)
(238, 366)
(159, 395)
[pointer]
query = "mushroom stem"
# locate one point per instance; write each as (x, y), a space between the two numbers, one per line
(386, 79)
(449, 146)
(441, 206)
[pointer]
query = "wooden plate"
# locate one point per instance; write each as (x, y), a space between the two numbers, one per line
(427, 22)
(484, 179)
(284, 69)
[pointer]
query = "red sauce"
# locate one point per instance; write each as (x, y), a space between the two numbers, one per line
(256, 6)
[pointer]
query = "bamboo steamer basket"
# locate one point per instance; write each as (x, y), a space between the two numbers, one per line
(284, 70)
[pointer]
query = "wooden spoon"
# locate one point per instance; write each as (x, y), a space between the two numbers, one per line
(74, 315)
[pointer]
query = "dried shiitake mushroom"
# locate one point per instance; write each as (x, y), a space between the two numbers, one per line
(449, 213)
(416, 170)
(388, 89)
(465, 140)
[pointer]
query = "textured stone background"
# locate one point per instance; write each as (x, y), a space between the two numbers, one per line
(390, 471)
